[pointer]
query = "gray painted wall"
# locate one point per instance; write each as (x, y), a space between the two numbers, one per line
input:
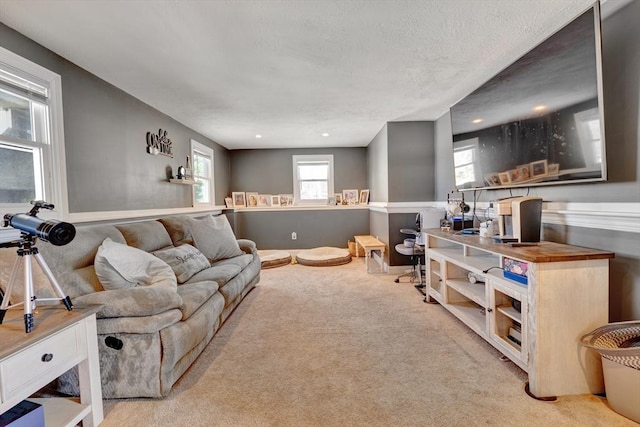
(271, 171)
(378, 167)
(315, 228)
(108, 168)
(411, 174)
(621, 74)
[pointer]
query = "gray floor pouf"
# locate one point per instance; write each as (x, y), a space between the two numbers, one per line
(323, 257)
(274, 258)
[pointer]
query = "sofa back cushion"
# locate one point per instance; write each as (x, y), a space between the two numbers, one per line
(178, 229)
(214, 237)
(146, 235)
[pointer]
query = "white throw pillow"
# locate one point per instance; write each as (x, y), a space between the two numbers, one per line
(120, 266)
(184, 260)
(214, 237)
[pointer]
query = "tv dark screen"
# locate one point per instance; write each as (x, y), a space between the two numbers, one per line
(539, 121)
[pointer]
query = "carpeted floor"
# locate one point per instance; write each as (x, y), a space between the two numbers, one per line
(334, 346)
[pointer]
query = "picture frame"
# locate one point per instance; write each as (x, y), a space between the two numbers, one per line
(504, 178)
(252, 199)
(286, 200)
(364, 197)
(515, 175)
(264, 200)
(492, 179)
(553, 169)
(349, 197)
(338, 197)
(239, 200)
(538, 168)
(331, 201)
(525, 172)
(228, 201)
(275, 201)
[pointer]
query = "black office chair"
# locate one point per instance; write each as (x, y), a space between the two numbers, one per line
(416, 253)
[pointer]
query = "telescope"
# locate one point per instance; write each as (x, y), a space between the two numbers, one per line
(57, 233)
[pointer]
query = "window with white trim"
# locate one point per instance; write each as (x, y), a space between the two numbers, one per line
(312, 179)
(466, 164)
(202, 166)
(32, 164)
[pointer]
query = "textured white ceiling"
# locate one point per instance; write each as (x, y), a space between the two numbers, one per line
(291, 70)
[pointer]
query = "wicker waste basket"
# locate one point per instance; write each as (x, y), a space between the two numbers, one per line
(619, 346)
(352, 249)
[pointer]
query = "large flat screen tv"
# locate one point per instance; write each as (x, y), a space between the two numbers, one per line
(540, 120)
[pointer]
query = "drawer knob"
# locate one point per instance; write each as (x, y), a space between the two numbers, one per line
(46, 357)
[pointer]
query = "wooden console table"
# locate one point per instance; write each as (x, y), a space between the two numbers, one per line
(60, 340)
(538, 325)
(370, 243)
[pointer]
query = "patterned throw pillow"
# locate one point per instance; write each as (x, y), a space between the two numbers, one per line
(184, 260)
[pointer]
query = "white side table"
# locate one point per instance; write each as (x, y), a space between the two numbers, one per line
(60, 340)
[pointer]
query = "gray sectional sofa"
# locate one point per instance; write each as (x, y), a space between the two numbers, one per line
(152, 327)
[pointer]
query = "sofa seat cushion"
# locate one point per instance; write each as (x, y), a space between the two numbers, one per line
(184, 260)
(194, 295)
(137, 324)
(120, 266)
(220, 274)
(214, 237)
(241, 261)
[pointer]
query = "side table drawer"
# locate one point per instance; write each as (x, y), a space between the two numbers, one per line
(23, 367)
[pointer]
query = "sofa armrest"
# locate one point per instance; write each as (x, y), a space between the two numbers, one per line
(132, 302)
(248, 246)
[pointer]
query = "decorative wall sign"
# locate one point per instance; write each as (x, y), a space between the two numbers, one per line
(159, 143)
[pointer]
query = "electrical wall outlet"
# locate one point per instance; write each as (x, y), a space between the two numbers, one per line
(294, 236)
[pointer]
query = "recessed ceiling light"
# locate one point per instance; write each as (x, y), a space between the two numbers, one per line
(325, 134)
(258, 136)
(540, 107)
(477, 121)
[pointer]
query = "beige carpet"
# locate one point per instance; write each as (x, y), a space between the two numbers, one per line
(334, 346)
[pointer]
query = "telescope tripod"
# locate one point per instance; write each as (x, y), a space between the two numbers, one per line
(26, 250)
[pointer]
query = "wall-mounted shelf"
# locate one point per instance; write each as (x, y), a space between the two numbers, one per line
(182, 181)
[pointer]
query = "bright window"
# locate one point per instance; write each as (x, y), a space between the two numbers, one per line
(465, 159)
(312, 179)
(203, 191)
(32, 161)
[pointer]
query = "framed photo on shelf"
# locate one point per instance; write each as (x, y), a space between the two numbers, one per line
(238, 199)
(525, 172)
(539, 168)
(331, 201)
(228, 201)
(514, 175)
(504, 178)
(492, 179)
(252, 199)
(338, 198)
(286, 200)
(349, 197)
(364, 197)
(264, 200)
(275, 201)
(553, 169)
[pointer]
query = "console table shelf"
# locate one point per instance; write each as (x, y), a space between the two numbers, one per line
(537, 325)
(60, 340)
